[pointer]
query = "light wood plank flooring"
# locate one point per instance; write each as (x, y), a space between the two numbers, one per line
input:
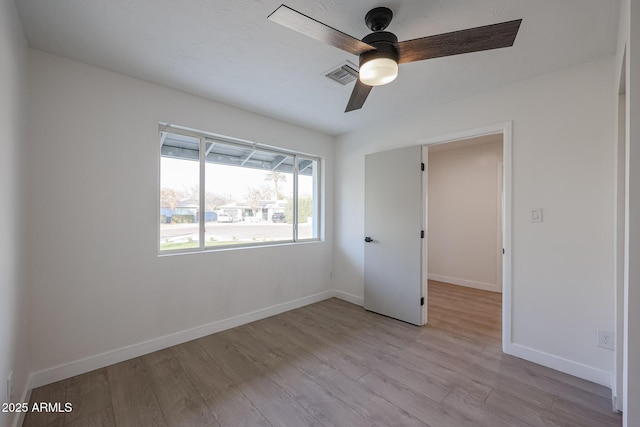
(334, 364)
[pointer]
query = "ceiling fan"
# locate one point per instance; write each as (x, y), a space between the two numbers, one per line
(380, 52)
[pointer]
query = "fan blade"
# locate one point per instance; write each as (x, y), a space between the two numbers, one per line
(464, 41)
(301, 23)
(358, 96)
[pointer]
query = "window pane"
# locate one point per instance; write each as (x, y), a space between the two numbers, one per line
(307, 199)
(179, 192)
(248, 193)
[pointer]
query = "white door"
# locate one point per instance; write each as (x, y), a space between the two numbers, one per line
(393, 226)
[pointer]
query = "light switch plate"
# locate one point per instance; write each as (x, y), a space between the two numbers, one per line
(535, 215)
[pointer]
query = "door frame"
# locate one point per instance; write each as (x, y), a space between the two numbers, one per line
(620, 246)
(506, 130)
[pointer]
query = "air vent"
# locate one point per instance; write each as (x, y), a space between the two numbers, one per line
(344, 74)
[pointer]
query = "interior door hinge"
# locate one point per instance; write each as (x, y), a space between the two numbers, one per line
(422, 301)
(422, 167)
(422, 234)
(502, 251)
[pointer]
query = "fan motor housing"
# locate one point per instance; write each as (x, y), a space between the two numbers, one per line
(385, 46)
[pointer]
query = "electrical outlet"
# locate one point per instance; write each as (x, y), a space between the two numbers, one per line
(606, 339)
(10, 386)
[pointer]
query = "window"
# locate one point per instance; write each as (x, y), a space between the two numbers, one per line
(217, 192)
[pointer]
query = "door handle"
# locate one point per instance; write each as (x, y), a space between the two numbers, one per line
(368, 239)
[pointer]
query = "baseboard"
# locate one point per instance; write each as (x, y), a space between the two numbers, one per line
(561, 364)
(464, 282)
(617, 404)
(81, 366)
(18, 418)
(349, 297)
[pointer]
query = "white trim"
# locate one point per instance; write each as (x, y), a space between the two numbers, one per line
(561, 364)
(353, 299)
(619, 235)
(499, 211)
(202, 209)
(500, 128)
(87, 364)
(507, 178)
(493, 287)
(296, 219)
(506, 129)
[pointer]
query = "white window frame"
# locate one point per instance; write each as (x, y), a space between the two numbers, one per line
(205, 137)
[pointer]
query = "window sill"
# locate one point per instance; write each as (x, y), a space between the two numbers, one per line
(226, 248)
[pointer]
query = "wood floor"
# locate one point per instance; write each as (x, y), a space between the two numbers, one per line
(334, 364)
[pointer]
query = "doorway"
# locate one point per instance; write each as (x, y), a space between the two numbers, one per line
(464, 212)
(396, 255)
(451, 278)
(465, 237)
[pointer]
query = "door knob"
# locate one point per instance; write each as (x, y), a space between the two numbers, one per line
(368, 239)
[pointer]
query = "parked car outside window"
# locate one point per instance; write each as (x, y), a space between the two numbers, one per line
(225, 218)
(277, 217)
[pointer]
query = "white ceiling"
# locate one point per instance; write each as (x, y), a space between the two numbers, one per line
(228, 50)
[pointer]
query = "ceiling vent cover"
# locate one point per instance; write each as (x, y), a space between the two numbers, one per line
(344, 74)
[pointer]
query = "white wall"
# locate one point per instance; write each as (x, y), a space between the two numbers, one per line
(563, 155)
(97, 284)
(463, 215)
(13, 308)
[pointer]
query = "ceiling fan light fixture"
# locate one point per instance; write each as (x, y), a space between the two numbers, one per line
(378, 71)
(379, 66)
